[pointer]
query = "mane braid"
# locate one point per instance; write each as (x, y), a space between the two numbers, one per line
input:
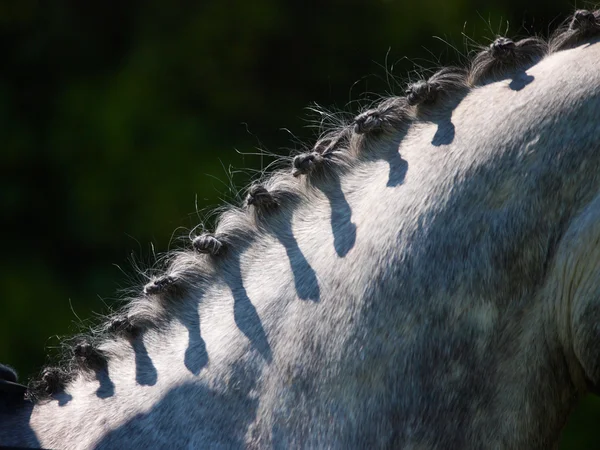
(207, 243)
(447, 81)
(305, 162)
(87, 356)
(334, 150)
(259, 197)
(388, 116)
(159, 284)
(326, 149)
(581, 26)
(52, 380)
(122, 325)
(503, 56)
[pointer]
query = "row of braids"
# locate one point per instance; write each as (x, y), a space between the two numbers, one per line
(389, 116)
(82, 355)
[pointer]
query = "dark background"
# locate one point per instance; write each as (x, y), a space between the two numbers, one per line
(118, 120)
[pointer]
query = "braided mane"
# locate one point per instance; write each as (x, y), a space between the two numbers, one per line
(334, 153)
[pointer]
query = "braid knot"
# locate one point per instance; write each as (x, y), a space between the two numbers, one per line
(305, 162)
(502, 48)
(421, 92)
(88, 355)
(158, 285)
(207, 243)
(260, 197)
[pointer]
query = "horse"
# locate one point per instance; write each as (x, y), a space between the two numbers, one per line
(425, 277)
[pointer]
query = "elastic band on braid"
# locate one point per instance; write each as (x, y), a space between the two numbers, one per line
(368, 121)
(324, 149)
(420, 92)
(502, 48)
(89, 356)
(305, 162)
(122, 325)
(260, 197)
(207, 243)
(389, 114)
(158, 285)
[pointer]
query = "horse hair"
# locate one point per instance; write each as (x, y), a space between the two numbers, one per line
(207, 243)
(330, 151)
(389, 115)
(122, 325)
(504, 55)
(582, 25)
(259, 197)
(52, 380)
(446, 81)
(159, 284)
(305, 162)
(87, 356)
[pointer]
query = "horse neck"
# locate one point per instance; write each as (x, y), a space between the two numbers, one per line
(416, 273)
(341, 279)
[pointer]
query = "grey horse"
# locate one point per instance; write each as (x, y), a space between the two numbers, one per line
(426, 277)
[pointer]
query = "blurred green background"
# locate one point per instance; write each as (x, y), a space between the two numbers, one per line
(119, 119)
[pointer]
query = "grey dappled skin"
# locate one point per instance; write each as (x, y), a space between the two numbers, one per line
(452, 271)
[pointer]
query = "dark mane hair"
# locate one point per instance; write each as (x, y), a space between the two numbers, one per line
(335, 152)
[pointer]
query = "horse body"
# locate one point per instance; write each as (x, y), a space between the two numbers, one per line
(436, 290)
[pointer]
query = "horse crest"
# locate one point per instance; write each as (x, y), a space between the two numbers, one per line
(426, 276)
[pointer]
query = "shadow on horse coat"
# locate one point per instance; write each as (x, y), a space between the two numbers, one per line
(448, 244)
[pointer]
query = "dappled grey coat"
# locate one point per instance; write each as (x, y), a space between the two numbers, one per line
(427, 277)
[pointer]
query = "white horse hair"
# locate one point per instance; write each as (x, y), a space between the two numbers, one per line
(427, 277)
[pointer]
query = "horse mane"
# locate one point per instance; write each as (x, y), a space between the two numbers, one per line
(335, 152)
